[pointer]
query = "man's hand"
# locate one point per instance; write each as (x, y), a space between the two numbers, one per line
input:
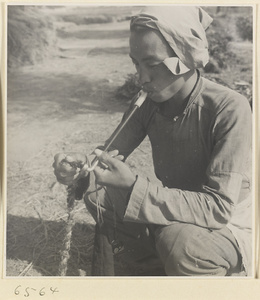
(68, 167)
(112, 171)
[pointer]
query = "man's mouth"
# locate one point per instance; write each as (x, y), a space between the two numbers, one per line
(148, 91)
(150, 94)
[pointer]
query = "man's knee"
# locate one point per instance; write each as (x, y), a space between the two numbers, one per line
(174, 244)
(187, 249)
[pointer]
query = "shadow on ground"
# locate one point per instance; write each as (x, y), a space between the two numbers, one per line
(40, 242)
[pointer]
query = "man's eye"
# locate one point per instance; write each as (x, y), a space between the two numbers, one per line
(153, 66)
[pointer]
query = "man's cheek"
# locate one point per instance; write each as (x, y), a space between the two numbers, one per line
(165, 93)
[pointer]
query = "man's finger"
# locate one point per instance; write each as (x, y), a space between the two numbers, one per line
(120, 157)
(105, 158)
(59, 156)
(57, 159)
(65, 180)
(65, 167)
(113, 153)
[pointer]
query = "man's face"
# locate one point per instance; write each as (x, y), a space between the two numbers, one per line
(148, 50)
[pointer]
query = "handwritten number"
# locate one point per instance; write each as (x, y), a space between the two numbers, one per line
(27, 293)
(16, 290)
(42, 293)
(54, 290)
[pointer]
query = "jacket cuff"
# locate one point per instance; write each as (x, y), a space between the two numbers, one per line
(136, 199)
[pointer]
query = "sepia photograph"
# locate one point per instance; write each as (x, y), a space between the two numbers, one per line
(129, 141)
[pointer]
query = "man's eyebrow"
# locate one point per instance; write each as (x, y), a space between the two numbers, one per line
(147, 58)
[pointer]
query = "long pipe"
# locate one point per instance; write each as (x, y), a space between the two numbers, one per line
(140, 98)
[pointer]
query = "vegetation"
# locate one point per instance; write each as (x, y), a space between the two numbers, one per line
(129, 88)
(30, 39)
(245, 28)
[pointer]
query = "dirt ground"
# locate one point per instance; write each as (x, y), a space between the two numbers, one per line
(68, 103)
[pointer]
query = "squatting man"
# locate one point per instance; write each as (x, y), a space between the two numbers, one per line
(200, 134)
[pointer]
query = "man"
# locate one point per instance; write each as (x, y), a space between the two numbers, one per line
(200, 135)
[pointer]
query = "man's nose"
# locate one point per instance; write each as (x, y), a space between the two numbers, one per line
(144, 76)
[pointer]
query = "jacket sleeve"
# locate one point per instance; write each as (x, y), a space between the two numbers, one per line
(214, 205)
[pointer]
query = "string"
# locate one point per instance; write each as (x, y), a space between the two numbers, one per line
(100, 219)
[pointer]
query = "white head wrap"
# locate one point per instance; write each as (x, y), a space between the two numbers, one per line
(183, 27)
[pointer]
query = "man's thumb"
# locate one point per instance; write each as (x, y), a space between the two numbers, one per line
(104, 157)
